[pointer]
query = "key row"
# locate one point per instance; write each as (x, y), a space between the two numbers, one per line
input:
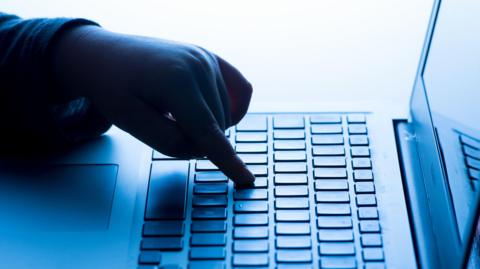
(359, 160)
(330, 253)
(292, 168)
(259, 123)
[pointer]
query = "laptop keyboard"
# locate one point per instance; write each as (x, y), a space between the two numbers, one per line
(313, 204)
(471, 153)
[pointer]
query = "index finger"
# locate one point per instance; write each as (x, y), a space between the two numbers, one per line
(198, 122)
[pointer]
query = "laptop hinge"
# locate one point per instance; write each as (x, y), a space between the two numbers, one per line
(415, 195)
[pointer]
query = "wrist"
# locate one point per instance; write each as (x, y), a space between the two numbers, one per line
(70, 64)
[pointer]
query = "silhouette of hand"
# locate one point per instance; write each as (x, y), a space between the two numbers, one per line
(175, 97)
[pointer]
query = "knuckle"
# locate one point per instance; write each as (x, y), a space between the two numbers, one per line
(178, 75)
(249, 88)
(200, 58)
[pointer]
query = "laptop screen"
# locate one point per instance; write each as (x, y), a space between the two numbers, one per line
(451, 80)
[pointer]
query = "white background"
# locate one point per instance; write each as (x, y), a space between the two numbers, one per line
(293, 52)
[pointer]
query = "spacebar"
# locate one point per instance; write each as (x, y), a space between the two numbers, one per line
(167, 190)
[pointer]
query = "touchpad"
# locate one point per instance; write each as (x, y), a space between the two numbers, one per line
(57, 197)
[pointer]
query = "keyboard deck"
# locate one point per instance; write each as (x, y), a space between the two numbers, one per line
(313, 204)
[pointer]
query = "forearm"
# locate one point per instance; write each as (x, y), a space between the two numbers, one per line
(33, 115)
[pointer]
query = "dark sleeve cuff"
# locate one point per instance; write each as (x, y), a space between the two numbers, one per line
(31, 112)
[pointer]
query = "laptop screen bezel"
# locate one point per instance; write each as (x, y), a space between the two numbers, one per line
(451, 252)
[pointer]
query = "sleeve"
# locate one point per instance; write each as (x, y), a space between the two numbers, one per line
(32, 116)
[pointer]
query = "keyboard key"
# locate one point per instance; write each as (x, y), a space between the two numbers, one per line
(250, 233)
(205, 165)
(329, 162)
(260, 182)
(208, 239)
(326, 119)
(338, 262)
(207, 253)
(364, 187)
(251, 148)
(253, 158)
(367, 213)
(163, 228)
(369, 226)
(292, 216)
(290, 167)
(294, 266)
(360, 151)
(356, 118)
(371, 240)
(375, 265)
(291, 228)
(291, 191)
(254, 137)
(251, 245)
(199, 264)
(328, 150)
(357, 129)
(288, 134)
(258, 170)
(209, 200)
(252, 123)
(209, 213)
(358, 140)
(289, 145)
(167, 266)
(474, 173)
(330, 173)
(288, 122)
(363, 175)
(208, 226)
(289, 156)
(327, 209)
(250, 194)
(334, 235)
(293, 242)
(210, 188)
(290, 179)
(336, 248)
(470, 141)
(473, 163)
(243, 259)
(372, 254)
(294, 256)
(471, 152)
(331, 185)
(150, 257)
(250, 207)
(162, 243)
(210, 177)
(291, 203)
(361, 163)
(332, 197)
(327, 139)
(366, 200)
(167, 190)
(334, 222)
(326, 129)
(256, 219)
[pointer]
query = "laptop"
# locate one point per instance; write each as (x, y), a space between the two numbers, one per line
(356, 189)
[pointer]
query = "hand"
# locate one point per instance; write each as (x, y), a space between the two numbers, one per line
(177, 98)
